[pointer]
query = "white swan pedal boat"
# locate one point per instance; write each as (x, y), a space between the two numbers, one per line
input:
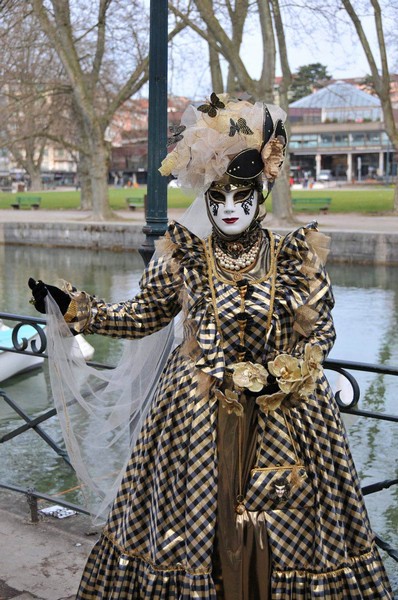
(13, 363)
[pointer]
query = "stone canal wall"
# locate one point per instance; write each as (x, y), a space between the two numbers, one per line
(357, 247)
(93, 236)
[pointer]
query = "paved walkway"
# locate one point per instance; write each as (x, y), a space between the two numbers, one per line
(338, 222)
(41, 561)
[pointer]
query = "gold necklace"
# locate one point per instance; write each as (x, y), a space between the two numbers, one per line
(242, 287)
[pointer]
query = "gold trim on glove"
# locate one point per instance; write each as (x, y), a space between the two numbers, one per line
(71, 313)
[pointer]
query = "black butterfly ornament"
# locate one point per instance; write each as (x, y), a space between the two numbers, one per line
(213, 106)
(240, 126)
(176, 134)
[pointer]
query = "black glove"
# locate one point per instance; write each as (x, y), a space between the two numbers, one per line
(39, 292)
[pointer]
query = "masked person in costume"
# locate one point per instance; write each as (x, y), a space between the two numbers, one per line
(240, 485)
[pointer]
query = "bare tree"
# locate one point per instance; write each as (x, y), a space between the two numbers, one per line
(103, 48)
(79, 35)
(380, 76)
(31, 102)
(222, 24)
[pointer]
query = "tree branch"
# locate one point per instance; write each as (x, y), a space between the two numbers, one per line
(385, 79)
(217, 37)
(364, 42)
(266, 83)
(60, 36)
(100, 47)
(283, 55)
(136, 80)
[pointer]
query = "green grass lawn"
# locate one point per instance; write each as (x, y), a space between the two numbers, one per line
(64, 200)
(374, 200)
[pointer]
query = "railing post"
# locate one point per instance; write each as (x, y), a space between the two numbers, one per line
(32, 501)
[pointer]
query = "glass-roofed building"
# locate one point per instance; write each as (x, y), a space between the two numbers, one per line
(338, 132)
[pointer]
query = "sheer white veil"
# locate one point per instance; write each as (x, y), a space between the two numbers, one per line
(101, 412)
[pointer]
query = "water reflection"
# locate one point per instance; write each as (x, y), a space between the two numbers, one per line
(366, 319)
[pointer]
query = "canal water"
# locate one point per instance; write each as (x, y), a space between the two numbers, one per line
(366, 320)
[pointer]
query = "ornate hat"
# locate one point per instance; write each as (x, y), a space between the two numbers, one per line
(227, 140)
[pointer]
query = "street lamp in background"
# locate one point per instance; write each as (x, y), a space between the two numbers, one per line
(156, 200)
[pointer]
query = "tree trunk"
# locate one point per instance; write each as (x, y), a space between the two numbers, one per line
(84, 181)
(93, 170)
(34, 171)
(283, 201)
(395, 209)
(99, 179)
(36, 183)
(215, 70)
(282, 212)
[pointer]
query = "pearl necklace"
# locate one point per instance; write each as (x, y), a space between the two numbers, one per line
(243, 260)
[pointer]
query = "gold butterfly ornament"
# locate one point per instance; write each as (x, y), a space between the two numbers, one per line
(240, 126)
(212, 106)
(176, 134)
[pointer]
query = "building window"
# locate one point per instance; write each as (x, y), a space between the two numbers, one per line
(358, 139)
(374, 137)
(326, 139)
(310, 141)
(304, 141)
(341, 139)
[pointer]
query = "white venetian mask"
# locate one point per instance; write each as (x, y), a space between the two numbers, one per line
(232, 212)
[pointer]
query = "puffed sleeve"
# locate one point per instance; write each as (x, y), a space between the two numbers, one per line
(152, 308)
(304, 291)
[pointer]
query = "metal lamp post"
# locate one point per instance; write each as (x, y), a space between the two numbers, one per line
(156, 201)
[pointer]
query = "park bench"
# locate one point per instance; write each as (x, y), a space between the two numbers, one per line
(134, 203)
(312, 203)
(26, 201)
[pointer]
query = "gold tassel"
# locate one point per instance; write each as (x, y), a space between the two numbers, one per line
(241, 520)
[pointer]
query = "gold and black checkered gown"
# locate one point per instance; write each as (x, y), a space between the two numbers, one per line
(160, 538)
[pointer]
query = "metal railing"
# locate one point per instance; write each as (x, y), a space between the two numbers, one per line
(38, 348)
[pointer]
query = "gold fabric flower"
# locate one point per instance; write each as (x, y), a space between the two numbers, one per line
(307, 387)
(313, 357)
(271, 402)
(295, 377)
(249, 375)
(287, 371)
(273, 155)
(230, 402)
